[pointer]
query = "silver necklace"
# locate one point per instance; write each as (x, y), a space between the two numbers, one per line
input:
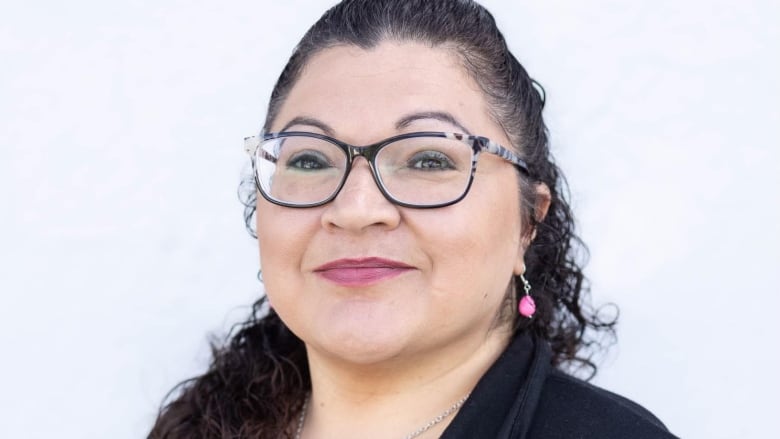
(411, 435)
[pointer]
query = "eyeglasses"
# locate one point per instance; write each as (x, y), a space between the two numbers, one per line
(419, 170)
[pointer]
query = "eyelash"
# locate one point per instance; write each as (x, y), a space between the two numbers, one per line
(319, 160)
(426, 156)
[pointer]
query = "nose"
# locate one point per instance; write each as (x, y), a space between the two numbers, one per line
(360, 204)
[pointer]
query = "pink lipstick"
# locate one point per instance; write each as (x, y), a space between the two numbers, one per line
(362, 271)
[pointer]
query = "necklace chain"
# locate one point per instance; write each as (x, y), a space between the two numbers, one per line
(414, 434)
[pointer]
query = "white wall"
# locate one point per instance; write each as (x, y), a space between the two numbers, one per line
(121, 238)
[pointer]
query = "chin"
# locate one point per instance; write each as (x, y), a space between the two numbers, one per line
(359, 349)
(364, 340)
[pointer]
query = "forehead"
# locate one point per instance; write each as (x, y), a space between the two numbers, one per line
(364, 92)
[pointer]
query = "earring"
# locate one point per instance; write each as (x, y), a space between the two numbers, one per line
(527, 306)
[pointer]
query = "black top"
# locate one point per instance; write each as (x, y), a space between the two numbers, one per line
(522, 397)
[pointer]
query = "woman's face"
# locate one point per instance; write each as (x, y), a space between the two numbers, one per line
(361, 279)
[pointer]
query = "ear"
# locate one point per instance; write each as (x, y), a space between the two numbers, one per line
(543, 200)
(541, 206)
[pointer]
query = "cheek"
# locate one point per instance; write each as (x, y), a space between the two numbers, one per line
(474, 255)
(283, 240)
(283, 236)
(494, 238)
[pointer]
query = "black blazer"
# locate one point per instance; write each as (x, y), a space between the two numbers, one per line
(522, 397)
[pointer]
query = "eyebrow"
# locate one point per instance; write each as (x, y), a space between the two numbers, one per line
(310, 121)
(435, 115)
(401, 124)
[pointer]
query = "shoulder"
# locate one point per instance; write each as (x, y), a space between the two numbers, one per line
(572, 408)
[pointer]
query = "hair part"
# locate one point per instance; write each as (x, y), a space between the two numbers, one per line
(256, 382)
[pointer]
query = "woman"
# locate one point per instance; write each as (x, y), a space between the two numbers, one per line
(424, 285)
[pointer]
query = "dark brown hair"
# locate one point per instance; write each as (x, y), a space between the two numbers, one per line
(257, 381)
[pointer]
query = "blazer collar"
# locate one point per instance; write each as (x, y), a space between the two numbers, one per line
(502, 404)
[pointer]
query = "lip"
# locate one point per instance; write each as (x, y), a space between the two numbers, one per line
(358, 272)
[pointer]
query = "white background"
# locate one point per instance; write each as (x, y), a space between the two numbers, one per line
(121, 237)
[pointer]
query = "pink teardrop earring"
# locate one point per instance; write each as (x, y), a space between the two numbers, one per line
(527, 306)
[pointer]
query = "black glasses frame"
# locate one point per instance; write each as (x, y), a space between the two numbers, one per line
(478, 145)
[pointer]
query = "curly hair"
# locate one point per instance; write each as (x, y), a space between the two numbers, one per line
(257, 381)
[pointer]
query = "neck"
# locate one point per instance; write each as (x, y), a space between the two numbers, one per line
(395, 397)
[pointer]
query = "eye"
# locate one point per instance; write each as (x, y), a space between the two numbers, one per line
(308, 160)
(431, 160)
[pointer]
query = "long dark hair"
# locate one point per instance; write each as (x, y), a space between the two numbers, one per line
(257, 381)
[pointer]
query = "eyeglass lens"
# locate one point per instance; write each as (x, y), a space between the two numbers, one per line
(418, 170)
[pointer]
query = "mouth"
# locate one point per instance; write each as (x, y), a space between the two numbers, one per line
(362, 271)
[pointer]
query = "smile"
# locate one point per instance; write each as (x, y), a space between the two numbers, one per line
(361, 272)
